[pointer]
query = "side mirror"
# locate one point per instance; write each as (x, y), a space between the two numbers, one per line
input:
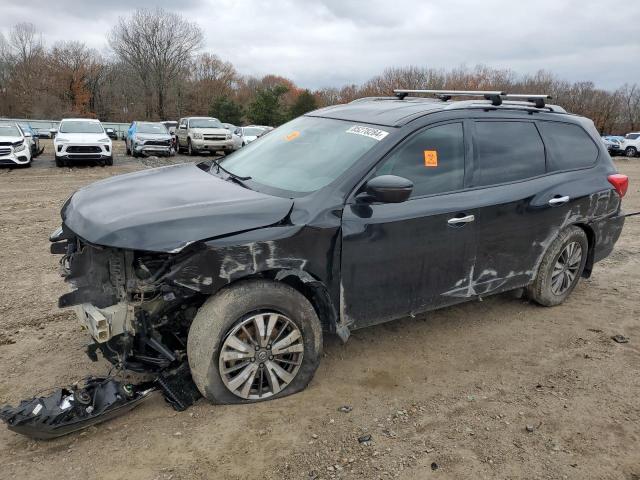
(27, 134)
(53, 132)
(388, 189)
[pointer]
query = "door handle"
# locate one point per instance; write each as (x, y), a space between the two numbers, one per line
(558, 201)
(461, 220)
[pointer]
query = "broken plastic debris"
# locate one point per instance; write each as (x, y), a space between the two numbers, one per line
(73, 408)
(620, 339)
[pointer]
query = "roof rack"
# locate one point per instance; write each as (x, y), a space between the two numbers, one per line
(496, 96)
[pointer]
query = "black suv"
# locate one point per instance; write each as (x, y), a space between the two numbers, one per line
(346, 217)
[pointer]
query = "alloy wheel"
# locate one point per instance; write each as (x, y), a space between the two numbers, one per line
(566, 268)
(261, 355)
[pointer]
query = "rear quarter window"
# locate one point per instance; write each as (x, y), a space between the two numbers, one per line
(507, 151)
(568, 146)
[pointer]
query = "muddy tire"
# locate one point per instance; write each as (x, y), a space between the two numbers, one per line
(561, 268)
(232, 316)
(59, 162)
(631, 152)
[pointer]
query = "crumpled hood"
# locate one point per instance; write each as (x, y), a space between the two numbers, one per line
(153, 136)
(165, 209)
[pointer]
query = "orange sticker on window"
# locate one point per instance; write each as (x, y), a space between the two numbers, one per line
(430, 158)
(292, 135)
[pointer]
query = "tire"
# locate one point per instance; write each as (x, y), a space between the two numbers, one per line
(221, 314)
(542, 288)
(190, 151)
(128, 149)
(631, 151)
(109, 161)
(59, 162)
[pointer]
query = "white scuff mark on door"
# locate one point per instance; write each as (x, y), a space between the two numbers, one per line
(486, 282)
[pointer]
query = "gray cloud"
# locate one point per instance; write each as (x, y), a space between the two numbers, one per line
(333, 42)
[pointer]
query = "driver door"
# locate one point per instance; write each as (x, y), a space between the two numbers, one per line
(403, 258)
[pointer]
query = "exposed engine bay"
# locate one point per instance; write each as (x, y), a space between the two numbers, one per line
(137, 320)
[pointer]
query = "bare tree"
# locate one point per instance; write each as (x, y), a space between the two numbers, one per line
(158, 45)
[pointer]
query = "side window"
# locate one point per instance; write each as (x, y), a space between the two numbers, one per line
(568, 146)
(507, 152)
(433, 159)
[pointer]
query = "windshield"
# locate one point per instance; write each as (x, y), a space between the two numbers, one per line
(151, 128)
(9, 131)
(632, 136)
(205, 123)
(253, 131)
(80, 127)
(305, 154)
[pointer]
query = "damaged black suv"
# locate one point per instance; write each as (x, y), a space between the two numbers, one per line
(348, 216)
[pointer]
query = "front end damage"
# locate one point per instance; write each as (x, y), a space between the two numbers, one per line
(137, 319)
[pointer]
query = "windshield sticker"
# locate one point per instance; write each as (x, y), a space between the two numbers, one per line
(292, 135)
(374, 133)
(430, 158)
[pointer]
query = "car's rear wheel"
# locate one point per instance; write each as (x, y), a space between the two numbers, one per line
(254, 341)
(631, 151)
(561, 268)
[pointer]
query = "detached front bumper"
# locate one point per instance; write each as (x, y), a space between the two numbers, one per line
(148, 149)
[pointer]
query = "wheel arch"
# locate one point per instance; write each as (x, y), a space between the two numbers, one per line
(591, 239)
(313, 289)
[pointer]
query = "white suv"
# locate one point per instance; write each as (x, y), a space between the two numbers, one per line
(631, 144)
(82, 139)
(15, 145)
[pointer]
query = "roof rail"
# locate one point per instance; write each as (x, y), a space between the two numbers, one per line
(496, 96)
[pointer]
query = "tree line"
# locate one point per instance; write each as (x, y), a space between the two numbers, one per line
(156, 71)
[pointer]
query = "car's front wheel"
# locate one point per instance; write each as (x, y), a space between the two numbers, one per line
(59, 162)
(190, 150)
(631, 151)
(561, 268)
(254, 341)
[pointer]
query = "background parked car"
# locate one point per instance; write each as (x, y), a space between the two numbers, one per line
(15, 147)
(111, 133)
(203, 134)
(631, 144)
(82, 139)
(237, 140)
(613, 145)
(145, 138)
(34, 140)
(250, 134)
(172, 126)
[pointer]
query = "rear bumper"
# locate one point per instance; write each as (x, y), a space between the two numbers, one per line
(607, 232)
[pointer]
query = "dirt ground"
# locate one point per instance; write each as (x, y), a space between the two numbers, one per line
(446, 395)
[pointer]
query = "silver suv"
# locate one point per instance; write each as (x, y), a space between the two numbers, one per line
(203, 134)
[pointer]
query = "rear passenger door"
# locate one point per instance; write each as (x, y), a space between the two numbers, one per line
(522, 203)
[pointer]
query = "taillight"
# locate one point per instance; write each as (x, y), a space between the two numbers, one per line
(620, 183)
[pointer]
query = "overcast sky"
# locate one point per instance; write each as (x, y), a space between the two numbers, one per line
(334, 42)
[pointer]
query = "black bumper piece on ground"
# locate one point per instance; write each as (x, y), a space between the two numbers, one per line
(73, 408)
(99, 399)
